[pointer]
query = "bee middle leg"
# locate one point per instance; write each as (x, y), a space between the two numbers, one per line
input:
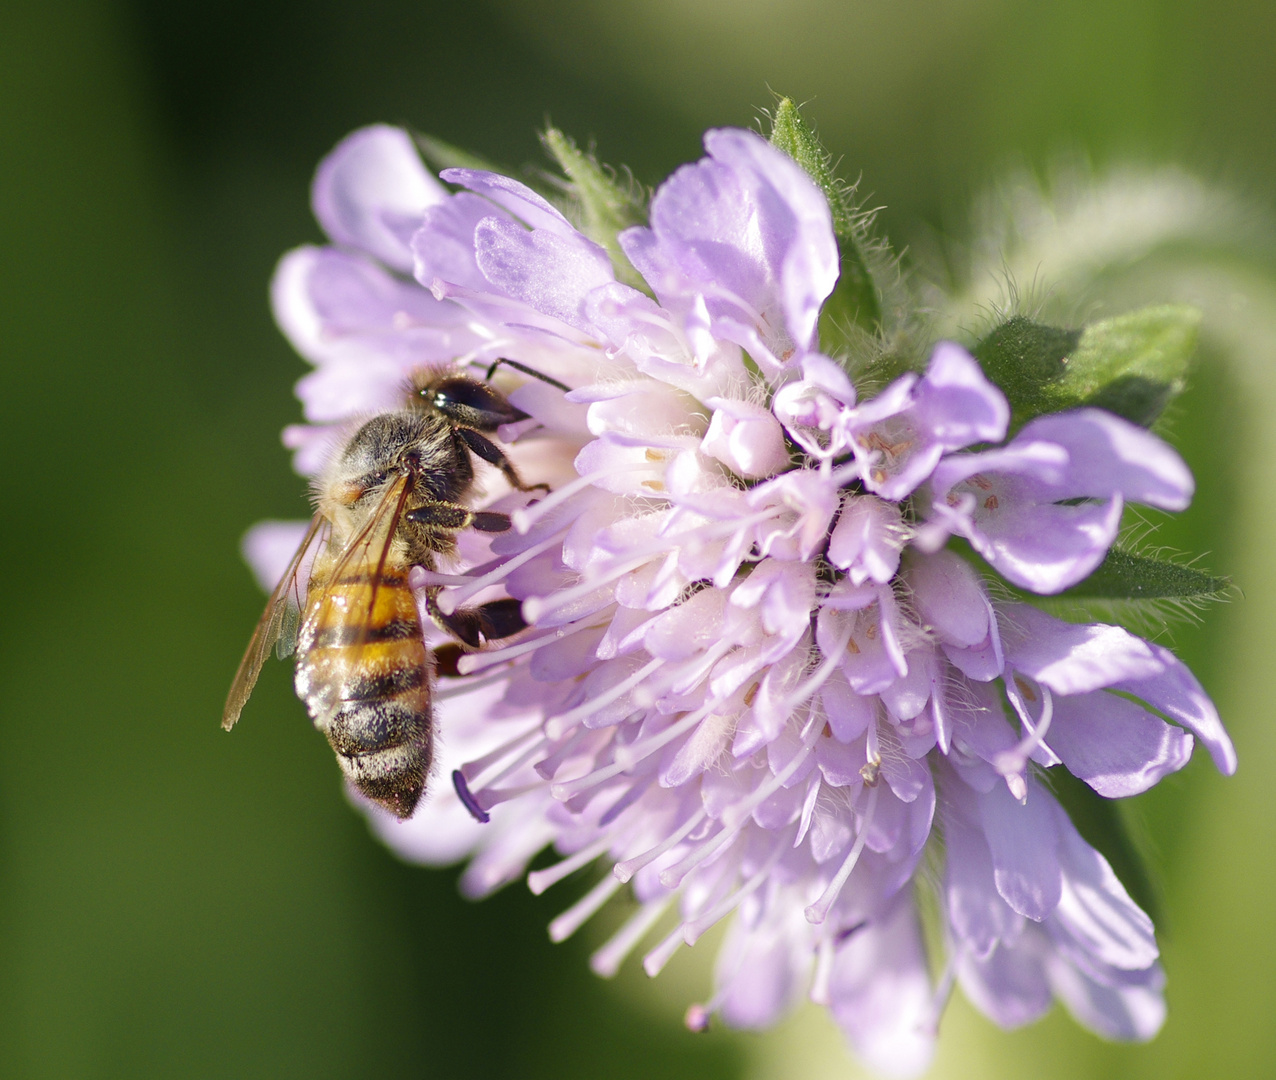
(454, 518)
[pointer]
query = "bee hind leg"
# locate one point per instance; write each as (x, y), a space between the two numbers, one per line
(478, 625)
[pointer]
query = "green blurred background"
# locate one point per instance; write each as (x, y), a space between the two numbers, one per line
(176, 902)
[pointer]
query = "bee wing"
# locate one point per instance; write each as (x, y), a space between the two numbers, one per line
(278, 623)
(365, 554)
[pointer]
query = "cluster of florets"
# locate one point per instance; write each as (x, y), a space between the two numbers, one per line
(758, 680)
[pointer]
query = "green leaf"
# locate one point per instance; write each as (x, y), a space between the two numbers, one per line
(606, 206)
(1134, 364)
(1102, 826)
(1124, 575)
(856, 300)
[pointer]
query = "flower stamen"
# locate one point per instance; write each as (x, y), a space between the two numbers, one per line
(818, 912)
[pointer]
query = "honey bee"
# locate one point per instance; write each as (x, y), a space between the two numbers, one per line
(393, 498)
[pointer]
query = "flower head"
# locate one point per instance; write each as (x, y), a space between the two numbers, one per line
(758, 682)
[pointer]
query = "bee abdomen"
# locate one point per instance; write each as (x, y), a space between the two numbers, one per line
(367, 688)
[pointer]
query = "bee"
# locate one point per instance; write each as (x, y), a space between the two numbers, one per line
(393, 498)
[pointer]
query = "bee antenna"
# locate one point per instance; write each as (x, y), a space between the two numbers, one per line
(526, 371)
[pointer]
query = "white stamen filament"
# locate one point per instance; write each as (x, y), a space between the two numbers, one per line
(736, 816)
(821, 674)
(943, 993)
(525, 517)
(823, 972)
(692, 931)
(606, 961)
(472, 770)
(540, 880)
(817, 912)
(664, 323)
(468, 686)
(549, 765)
(872, 745)
(495, 796)
(654, 962)
(477, 661)
(597, 704)
(536, 608)
(627, 869)
(713, 289)
(583, 910)
(1015, 760)
(448, 602)
(626, 757)
(509, 769)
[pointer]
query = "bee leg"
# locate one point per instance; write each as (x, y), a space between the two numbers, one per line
(447, 516)
(487, 622)
(494, 455)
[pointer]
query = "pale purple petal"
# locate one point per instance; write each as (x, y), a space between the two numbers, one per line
(978, 915)
(517, 198)
(1128, 1013)
(1023, 839)
(1176, 692)
(746, 233)
(746, 438)
(950, 598)
(867, 540)
(1074, 658)
(1113, 745)
(1109, 456)
(550, 272)
(1009, 986)
(956, 404)
(339, 308)
(443, 247)
(880, 993)
(268, 548)
(371, 191)
(1096, 911)
(760, 974)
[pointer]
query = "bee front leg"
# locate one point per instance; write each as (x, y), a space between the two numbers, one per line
(494, 455)
(454, 518)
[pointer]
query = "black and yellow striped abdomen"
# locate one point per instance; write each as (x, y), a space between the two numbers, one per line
(364, 674)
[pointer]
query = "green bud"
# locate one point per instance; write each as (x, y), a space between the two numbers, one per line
(605, 206)
(1135, 364)
(856, 299)
(1026, 360)
(1131, 365)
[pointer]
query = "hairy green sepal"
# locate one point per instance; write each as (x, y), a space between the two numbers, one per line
(1132, 365)
(1125, 575)
(605, 207)
(856, 299)
(440, 155)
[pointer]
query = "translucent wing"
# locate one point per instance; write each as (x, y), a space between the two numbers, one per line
(278, 623)
(350, 595)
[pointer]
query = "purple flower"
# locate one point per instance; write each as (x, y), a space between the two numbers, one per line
(756, 684)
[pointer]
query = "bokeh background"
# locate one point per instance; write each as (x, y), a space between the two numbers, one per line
(176, 902)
